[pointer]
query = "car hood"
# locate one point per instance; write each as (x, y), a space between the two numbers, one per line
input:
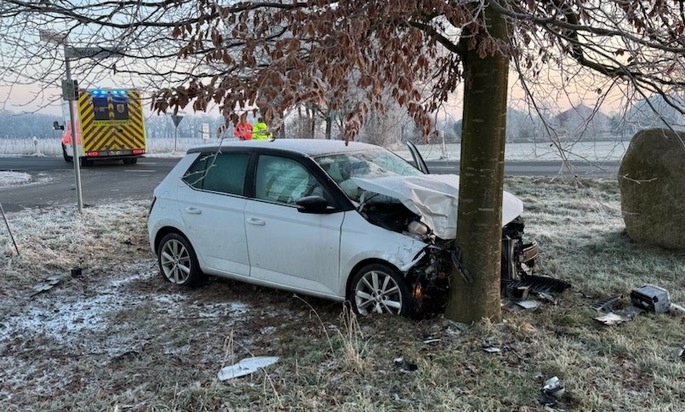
(434, 197)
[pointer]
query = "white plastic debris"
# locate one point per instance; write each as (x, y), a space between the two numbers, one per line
(246, 367)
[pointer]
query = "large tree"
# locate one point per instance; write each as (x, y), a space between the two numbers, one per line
(276, 55)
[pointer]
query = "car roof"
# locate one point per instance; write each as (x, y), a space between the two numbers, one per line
(307, 147)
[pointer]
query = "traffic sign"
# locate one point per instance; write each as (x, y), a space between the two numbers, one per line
(92, 52)
(176, 119)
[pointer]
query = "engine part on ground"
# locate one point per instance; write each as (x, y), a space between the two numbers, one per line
(651, 298)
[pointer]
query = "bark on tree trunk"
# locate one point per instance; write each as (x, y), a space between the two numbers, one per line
(479, 228)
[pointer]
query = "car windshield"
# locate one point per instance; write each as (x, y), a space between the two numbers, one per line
(342, 167)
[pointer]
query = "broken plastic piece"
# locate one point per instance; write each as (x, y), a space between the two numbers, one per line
(528, 304)
(611, 318)
(542, 284)
(552, 391)
(404, 365)
(681, 353)
(246, 367)
(606, 305)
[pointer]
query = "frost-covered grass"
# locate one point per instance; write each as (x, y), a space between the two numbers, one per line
(120, 338)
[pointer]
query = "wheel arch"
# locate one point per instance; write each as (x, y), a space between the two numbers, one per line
(165, 231)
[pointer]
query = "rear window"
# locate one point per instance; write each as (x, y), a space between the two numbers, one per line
(222, 173)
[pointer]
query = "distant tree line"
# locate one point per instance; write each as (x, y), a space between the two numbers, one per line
(394, 126)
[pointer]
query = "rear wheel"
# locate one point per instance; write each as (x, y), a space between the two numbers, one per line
(67, 158)
(85, 162)
(377, 288)
(178, 262)
(130, 160)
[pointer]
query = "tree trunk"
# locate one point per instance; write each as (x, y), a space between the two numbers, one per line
(479, 227)
(329, 124)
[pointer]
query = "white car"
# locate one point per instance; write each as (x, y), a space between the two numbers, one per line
(320, 217)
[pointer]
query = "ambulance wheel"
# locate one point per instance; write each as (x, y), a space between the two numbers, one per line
(67, 158)
(178, 262)
(86, 162)
(131, 161)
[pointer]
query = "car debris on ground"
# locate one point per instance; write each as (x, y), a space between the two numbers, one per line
(647, 298)
(404, 365)
(246, 366)
(552, 391)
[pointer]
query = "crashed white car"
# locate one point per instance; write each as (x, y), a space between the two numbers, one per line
(341, 221)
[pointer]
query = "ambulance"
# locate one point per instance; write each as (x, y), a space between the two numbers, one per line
(109, 126)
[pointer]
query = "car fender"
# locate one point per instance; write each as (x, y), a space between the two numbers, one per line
(361, 241)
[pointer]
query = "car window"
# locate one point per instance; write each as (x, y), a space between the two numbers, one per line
(223, 173)
(284, 180)
(377, 163)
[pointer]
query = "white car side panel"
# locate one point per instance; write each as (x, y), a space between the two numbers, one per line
(293, 249)
(214, 225)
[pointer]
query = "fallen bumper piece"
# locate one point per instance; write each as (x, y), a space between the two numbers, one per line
(246, 367)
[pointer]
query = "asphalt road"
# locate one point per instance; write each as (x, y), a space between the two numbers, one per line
(53, 179)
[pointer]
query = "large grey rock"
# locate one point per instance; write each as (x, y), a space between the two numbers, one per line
(652, 183)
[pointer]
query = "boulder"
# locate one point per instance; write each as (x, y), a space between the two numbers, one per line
(652, 183)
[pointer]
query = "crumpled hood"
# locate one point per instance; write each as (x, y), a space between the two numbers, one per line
(434, 197)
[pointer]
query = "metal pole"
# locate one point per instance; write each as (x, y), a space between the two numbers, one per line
(175, 133)
(75, 153)
(2, 209)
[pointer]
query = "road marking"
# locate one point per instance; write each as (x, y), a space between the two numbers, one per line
(140, 170)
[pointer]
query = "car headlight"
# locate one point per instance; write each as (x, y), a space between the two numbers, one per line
(418, 228)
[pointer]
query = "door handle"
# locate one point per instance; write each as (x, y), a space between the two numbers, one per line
(194, 211)
(256, 222)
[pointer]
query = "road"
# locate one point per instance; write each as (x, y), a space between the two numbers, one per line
(54, 182)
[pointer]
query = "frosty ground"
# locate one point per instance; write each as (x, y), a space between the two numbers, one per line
(119, 338)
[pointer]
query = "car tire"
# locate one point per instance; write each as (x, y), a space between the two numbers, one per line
(134, 160)
(67, 158)
(378, 288)
(130, 160)
(85, 162)
(178, 262)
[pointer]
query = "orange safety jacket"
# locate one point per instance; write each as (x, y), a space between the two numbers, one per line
(243, 131)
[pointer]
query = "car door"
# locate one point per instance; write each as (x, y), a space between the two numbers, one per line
(286, 247)
(212, 204)
(418, 159)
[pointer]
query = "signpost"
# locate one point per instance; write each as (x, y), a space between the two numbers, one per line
(70, 88)
(69, 95)
(177, 120)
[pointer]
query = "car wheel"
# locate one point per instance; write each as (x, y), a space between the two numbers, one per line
(178, 262)
(134, 160)
(85, 162)
(67, 158)
(376, 288)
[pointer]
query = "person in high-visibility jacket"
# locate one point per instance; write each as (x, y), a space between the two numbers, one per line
(243, 130)
(260, 131)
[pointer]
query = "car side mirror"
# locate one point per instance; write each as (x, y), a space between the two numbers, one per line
(313, 204)
(57, 126)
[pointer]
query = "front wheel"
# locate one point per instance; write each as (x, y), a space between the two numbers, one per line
(377, 288)
(178, 262)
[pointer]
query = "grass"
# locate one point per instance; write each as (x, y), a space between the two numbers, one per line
(153, 347)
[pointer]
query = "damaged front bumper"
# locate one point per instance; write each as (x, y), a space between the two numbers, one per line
(429, 274)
